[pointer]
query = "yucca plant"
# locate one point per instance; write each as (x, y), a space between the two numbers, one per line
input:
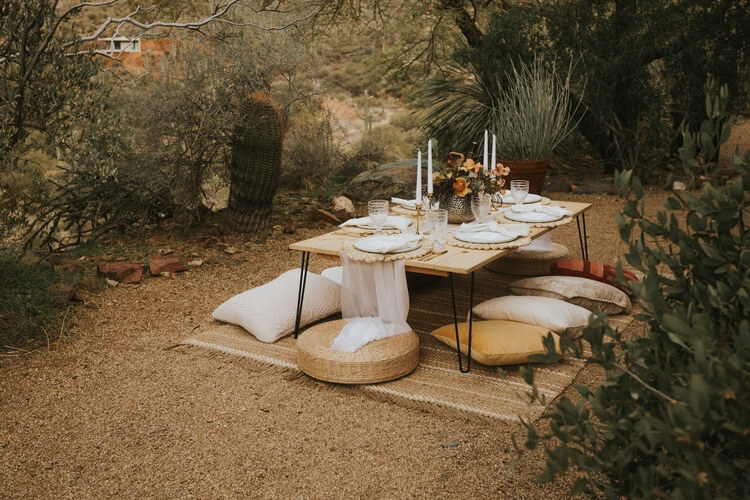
(529, 109)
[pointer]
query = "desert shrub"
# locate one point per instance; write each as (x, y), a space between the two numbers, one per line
(406, 120)
(384, 144)
(671, 418)
(30, 305)
(312, 153)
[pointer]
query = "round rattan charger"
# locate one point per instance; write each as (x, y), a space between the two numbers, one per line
(363, 231)
(358, 255)
(555, 223)
(518, 242)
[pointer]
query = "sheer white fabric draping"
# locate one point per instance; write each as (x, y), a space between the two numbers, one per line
(374, 302)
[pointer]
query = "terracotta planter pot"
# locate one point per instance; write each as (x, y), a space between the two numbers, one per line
(533, 171)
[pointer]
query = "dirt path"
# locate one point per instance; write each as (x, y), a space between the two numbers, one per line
(113, 410)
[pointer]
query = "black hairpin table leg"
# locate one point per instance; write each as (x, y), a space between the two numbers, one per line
(583, 237)
(301, 290)
(455, 324)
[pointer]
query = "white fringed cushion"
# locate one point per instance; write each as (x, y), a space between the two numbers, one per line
(268, 311)
(593, 295)
(556, 315)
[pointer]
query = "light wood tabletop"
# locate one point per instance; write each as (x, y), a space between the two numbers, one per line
(454, 260)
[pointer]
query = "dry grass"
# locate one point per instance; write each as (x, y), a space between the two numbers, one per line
(113, 410)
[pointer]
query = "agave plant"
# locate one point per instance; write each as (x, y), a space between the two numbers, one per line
(529, 109)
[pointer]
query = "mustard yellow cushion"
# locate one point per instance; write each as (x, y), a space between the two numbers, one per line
(497, 342)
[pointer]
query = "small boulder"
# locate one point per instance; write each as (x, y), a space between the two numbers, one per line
(158, 265)
(342, 207)
(121, 272)
(392, 179)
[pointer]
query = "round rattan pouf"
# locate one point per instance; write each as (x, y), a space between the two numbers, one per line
(524, 262)
(378, 361)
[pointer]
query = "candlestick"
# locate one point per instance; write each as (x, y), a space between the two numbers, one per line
(494, 157)
(418, 195)
(484, 158)
(418, 206)
(429, 168)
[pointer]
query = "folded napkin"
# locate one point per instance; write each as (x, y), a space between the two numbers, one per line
(410, 204)
(509, 229)
(489, 231)
(387, 243)
(552, 210)
(399, 222)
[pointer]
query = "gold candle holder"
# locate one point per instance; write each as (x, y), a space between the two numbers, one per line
(418, 206)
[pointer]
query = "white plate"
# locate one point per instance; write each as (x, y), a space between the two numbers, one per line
(530, 198)
(483, 237)
(368, 244)
(530, 216)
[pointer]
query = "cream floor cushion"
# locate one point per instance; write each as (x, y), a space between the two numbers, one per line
(269, 311)
(498, 342)
(556, 315)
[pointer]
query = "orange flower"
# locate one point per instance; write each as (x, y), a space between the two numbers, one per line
(501, 169)
(460, 187)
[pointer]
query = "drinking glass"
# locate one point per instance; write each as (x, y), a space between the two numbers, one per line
(518, 190)
(378, 212)
(439, 222)
(480, 206)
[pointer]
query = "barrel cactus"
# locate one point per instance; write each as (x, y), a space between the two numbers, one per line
(256, 163)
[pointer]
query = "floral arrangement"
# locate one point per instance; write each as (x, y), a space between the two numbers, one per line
(461, 176)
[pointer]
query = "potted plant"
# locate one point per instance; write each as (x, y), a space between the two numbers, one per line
(529, 109)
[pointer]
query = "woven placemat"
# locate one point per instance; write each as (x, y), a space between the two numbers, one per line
(358, 255)
(518, 242)
(555, 223)
(361, 231)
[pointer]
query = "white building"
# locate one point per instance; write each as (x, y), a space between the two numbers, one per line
(116, 45)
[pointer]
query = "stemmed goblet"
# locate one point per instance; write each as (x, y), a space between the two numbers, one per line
(480, 206)
(378, 212)
(518, 190)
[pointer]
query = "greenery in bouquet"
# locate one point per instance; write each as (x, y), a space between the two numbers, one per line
(461, 176)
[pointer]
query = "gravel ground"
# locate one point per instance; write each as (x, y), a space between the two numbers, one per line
(111, 409)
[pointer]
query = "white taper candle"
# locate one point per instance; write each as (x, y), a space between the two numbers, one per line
(418, 195)
(493, 162)
(429, 166)
(484, 158)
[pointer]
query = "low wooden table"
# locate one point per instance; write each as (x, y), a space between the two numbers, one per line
(455, 260)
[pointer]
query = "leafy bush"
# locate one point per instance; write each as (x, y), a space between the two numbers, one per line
(312, 153)
(672, 417)
(384, 144)
(643, 63)
(30, 305)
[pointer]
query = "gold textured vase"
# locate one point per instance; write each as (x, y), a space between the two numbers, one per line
(458, 207)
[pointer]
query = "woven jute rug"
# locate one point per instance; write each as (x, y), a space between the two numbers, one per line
(436, 385)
